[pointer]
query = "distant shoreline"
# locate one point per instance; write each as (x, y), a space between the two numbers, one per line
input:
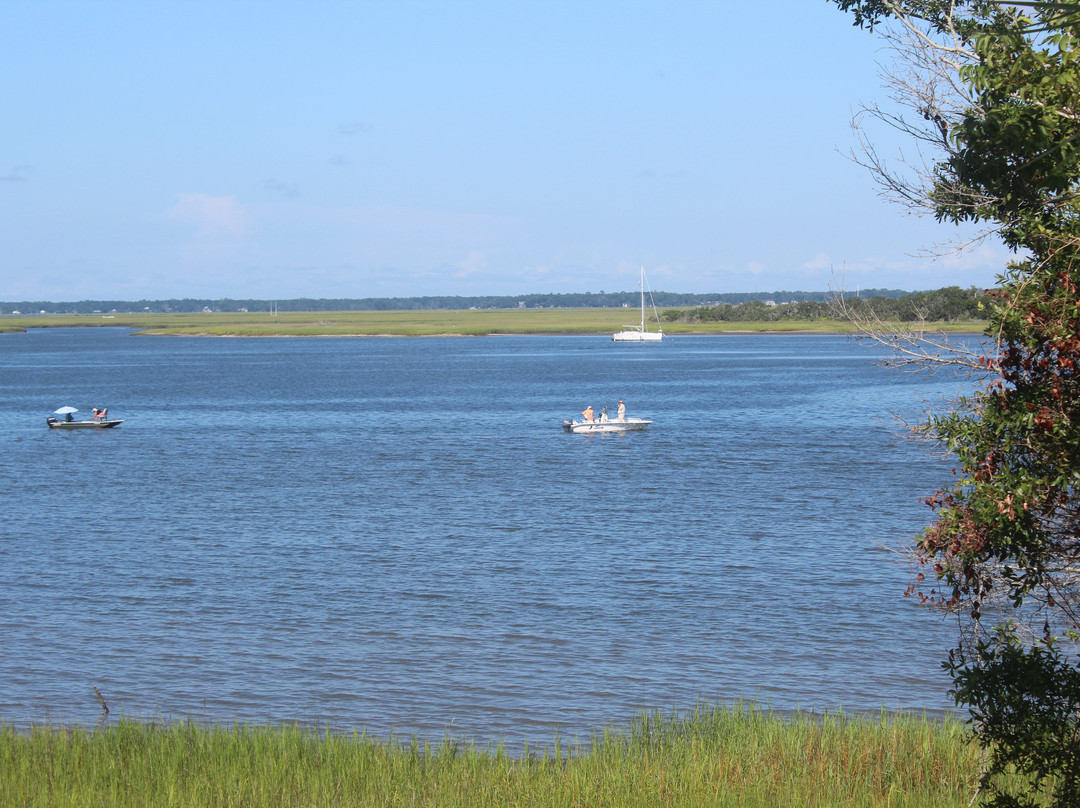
(437, 323)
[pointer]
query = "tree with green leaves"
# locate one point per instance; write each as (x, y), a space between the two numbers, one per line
(994, 89)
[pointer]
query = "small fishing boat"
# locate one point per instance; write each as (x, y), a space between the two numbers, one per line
(589, 424)
(627, 425)
(100, 420)
(56, 423)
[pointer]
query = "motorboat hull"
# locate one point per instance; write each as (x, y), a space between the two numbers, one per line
(589, 427)
(54, 424)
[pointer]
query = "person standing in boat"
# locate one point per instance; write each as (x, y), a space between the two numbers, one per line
(622, 411)
(588, 413)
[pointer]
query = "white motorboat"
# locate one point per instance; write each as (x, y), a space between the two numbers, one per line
(626, 425)
(100, 420)
(634, 333)
(590, 424)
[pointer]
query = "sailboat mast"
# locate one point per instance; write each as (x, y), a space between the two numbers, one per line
(641, 283)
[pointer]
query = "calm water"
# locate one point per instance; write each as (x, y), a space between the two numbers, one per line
(396, 535)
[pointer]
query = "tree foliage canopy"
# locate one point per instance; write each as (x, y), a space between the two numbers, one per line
(940, 306)
(998, 88)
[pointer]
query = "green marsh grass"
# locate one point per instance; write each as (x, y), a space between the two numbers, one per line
(478, 322)
(713, 756)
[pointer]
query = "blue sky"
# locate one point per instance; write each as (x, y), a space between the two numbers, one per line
(279, 149)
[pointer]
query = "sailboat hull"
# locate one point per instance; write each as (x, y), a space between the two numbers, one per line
(637, 336)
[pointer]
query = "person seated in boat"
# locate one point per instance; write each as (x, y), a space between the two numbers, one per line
(603, 414)
(67, 417)
(588, 413)
(622, 411)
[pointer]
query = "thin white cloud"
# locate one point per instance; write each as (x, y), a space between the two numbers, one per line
(213, 216)
(819, 261)
(984, 255)
(473, 263)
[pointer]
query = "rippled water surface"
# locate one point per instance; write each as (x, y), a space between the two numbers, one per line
(396, 535)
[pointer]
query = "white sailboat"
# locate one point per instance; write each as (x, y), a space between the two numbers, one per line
(633, 333)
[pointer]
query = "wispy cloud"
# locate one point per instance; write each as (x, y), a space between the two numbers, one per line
(354, 129)
(980, 255)
(819, 261)
(213, 216)
(16, 174)
(474, 262)
(289, 189)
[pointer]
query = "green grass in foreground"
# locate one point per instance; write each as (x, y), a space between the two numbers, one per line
(419, 323)
(715, 756)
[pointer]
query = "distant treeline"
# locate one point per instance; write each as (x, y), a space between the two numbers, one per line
(942, 305)
(591, 300)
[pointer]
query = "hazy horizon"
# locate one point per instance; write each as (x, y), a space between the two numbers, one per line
(376, 150)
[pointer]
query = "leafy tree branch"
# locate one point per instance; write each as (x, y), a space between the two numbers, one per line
(997, 87)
